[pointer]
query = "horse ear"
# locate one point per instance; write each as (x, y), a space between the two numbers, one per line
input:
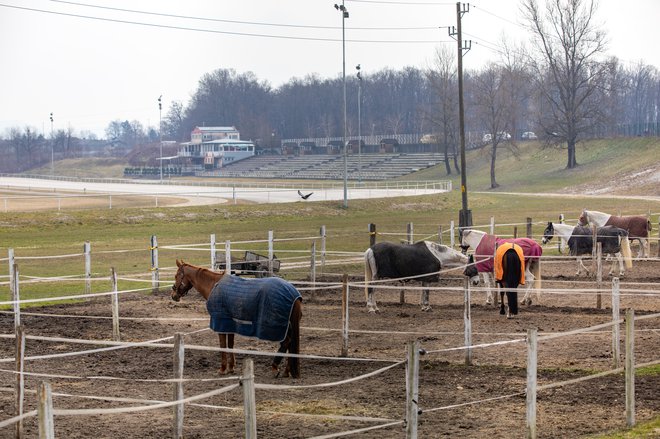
(179, 263)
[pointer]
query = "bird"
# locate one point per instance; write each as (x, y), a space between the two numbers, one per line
(304, 196)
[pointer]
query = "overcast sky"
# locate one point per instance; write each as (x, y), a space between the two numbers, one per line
(90, 62)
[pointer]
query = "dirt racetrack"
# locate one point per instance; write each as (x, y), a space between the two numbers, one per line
(447, 387)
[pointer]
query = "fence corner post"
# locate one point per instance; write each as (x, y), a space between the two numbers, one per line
(179, 355)
(45, 411)
(344, 315)
(630, 367)
(412, 389)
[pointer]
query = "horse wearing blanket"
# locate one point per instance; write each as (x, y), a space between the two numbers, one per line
(638, 227)
(484, 246)
(268, 309)
(420, 261)
(614, 241)
(509, 272)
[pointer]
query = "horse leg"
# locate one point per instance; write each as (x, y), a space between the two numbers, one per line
(371, 303)
(489, 292)
(275, 367)
(529, 278)
(502, 310)
(618, 259)
(223, 354)
(426, 306)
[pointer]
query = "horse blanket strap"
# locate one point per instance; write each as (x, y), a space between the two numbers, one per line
(258, 308)
(499, 255)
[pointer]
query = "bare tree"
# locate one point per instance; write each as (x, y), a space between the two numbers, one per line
(569, 73)
(442, 114)
(492, 108)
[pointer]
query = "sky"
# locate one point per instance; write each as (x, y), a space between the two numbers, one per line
(90, 62)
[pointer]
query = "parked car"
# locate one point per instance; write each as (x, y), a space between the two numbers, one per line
(501, 135)
(529, 135)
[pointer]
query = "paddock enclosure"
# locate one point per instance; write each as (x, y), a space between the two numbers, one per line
(113, 377)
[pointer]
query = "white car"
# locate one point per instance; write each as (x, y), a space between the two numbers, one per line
(501, 135)
(529, 135)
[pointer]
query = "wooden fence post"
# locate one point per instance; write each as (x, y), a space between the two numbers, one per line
(344, 315)
(658, 239)
(412, 389)
(440, 234)
(515, 232)
(87, 250)
(529, 227)
(214, 256)
(115, 306)
(409, 233)
(492, 225)
(312, 268)
(271, 253)
(616, 336)
(16, 297)
(179, 356)
(372, 234)
(228, 256)
(452, 238)
(599, 274)
(630, 367)
(45, 411)
(532, 347)
(467, 321)
(559, 241)
(155, 284)
(249, 401)
(323, 250)
(20, 379)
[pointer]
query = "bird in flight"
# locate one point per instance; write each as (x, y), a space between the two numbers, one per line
(304, 196)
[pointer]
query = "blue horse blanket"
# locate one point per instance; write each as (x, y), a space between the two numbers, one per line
(252, 307)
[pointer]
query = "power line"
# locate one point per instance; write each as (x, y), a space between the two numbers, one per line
(252, 23)
(245, 34)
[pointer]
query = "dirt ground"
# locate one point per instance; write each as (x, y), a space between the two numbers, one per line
(447, 386)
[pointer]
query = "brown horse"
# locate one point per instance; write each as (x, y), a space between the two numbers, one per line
(268, 309)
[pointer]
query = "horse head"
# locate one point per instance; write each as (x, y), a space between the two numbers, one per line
(471, 271)
(584, 218)
(182, 283)
(548, 233)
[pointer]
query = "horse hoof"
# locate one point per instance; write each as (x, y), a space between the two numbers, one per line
(426, 308)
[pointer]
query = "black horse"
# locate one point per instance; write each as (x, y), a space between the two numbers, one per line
(509, 274)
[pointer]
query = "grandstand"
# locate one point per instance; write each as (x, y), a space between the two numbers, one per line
(331, 167)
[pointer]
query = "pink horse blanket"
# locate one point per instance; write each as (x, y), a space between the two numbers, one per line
(485, 251)
(636, 226)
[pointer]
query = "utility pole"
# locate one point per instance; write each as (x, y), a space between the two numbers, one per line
(160, 134)
(359, 77)
(465, 215)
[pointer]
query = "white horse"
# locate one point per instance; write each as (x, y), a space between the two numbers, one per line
(637, 226)
(620, 250)
(421, 261)
(532, 250)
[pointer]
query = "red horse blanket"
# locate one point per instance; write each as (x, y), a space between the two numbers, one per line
(485, 251)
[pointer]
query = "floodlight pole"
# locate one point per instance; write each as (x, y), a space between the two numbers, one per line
(359, 76)
(344, 16)
(52, 147)
(160, 134)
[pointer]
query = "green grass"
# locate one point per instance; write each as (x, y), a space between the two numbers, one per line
(645, 430)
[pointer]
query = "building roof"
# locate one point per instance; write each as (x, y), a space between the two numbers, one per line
(216, 129)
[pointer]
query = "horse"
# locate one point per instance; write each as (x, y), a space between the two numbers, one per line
(509, 273)
(484, 249)
(421, 261)
(637, 226)
(580, 242)
(268, 309)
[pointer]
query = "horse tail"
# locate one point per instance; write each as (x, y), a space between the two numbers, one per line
(368, 271)
(625, 249)
(648, 223)
(294, 343)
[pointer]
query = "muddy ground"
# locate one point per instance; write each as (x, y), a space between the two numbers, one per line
(575, 410)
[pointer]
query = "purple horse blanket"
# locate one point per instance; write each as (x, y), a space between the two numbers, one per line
(485, 251)
(258, 308)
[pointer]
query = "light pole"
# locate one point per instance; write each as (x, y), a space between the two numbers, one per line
(160, 134)
(344, 16)
(52, 147)
(359, 77)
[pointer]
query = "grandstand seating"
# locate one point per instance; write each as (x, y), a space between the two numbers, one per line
(331, 167)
